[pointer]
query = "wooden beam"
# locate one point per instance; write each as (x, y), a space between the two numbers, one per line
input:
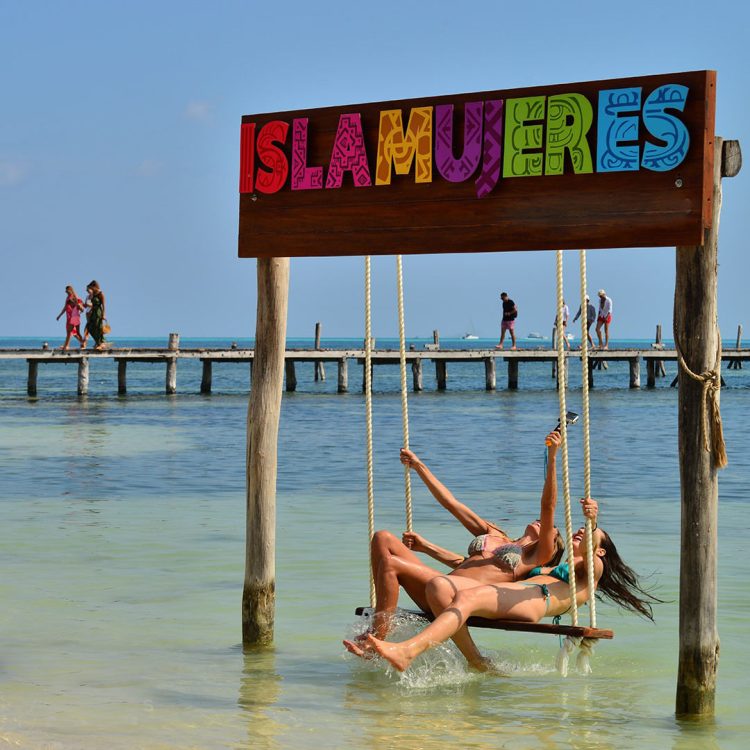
(697, 334)
(259, 590)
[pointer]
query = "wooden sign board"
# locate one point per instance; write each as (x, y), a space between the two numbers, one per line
(618, 163)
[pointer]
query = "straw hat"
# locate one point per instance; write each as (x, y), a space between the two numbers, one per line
(602, 293)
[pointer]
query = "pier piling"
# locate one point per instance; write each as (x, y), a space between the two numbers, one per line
(83, 376)
(31, 381)
(343, 373)
(489, 374)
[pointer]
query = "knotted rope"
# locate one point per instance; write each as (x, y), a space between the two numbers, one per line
(711, 427)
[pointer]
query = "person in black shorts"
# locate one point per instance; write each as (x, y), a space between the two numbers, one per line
(510, 313)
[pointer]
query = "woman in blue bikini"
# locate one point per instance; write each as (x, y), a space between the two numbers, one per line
(492, 558)
(544, 593)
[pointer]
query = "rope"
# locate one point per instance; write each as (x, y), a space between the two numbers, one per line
(713, 432)
(368, 420)
(561, 383)
(404, 393)
(586, 437)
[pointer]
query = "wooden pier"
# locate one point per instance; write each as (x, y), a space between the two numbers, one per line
(440, 359)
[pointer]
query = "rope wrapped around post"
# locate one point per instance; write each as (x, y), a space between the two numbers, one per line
(713, 431)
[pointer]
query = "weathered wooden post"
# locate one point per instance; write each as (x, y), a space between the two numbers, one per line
(441, 374)
(83, 376)
(122, 377)
(291, 376)
(697, 336)
(436, 338)
(650, 373)
(512, 374)
(33, 372)
(489, 374)
(171, 386)
(343, 374)
(635, 372)
(206, 376)
(660, 369)
(736, 364)
(259, 590)
(174, 342)
(416, 373)
(320, 370)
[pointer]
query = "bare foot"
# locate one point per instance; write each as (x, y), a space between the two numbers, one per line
(513, 348)
(394, 653)
(498, 346)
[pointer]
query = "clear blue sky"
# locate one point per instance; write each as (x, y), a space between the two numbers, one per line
(119, 152)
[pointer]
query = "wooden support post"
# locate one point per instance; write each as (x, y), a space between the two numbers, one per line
(650, 373)
(512, 374)
(696, 332)
(343, 375)
(171, 374)
(416, 374)
(259, 590)
(436, 338)
(441, 374)
(489, 374)
(320, 370)
(83, 376)
(554, 346)
(174, 342)
(660, 369)
(676, 380)
(736, 364)
(591, 373)
(122, 377)
(250, 374)
(31, 382)
(635, 372)
(291, 376)
(206, 378)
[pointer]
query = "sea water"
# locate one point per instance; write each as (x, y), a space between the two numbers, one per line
(122, 558)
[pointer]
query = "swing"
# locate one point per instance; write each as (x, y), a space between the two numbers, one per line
(576, 635)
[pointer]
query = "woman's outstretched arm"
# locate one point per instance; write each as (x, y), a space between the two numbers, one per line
(417, 543)
(465, 515)
(547, 533)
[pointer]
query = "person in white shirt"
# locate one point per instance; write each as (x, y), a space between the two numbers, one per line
(604, 318)
(565, 317)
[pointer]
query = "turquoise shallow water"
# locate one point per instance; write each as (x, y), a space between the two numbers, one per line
(123, 551)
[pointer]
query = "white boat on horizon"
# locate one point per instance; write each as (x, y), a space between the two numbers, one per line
(469, 337)
(535, 335)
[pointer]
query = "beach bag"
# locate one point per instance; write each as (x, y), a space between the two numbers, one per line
(106, 328)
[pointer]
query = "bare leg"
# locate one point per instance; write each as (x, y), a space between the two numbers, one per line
(606, 335)
(513, 338)
(394, 565)
(599, 333)
(440, 593)
(511, 600)
(67, 338)
(502, 338)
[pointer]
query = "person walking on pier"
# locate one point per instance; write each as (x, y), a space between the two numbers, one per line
(510, 313)
(590, 318)
(565, 318)
(72, 309)
(604, 318)
(97, 316)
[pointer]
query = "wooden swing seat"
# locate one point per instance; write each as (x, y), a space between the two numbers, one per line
(576, 631)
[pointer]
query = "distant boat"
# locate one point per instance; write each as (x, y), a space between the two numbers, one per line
(469, 337)
(535, 335)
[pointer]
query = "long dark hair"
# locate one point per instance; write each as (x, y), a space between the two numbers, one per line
(620, 583)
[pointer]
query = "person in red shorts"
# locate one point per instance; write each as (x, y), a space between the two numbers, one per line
(604, 318)
(510, 313)
(72, 310)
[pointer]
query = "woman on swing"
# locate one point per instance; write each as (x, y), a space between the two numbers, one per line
(545, 593)
(493, 557)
